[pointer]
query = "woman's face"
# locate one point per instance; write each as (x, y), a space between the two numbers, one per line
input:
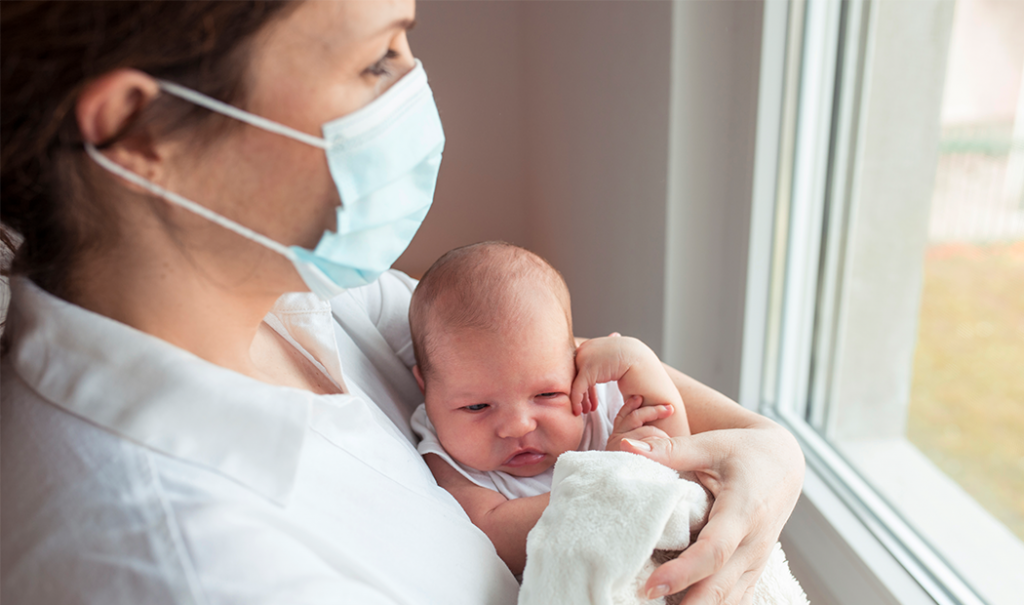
(319, 62)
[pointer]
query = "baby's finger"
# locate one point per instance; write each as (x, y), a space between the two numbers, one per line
(614, 334)
(653, 413)
(641, 417)
(631, 405)
(579, 391)
(590, 403)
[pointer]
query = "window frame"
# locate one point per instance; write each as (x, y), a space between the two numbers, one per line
(851, 544)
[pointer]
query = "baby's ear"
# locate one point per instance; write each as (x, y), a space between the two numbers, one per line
(419, 378)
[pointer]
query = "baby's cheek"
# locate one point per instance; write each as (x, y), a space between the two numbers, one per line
(572, 432)
(468, 445)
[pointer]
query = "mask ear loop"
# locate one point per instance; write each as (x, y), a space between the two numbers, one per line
(186, 203)
(220, 107)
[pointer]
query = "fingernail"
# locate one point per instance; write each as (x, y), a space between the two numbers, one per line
(658, 591)
(642, 445)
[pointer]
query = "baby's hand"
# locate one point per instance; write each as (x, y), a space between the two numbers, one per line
(604, 360)
(589, 401)
(633, 422)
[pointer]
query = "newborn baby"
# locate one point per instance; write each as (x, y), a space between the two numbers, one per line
(507, 392)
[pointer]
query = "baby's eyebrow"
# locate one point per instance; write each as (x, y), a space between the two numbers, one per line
(466, 398)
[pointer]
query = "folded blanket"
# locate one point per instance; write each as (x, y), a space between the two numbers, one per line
(609, 512)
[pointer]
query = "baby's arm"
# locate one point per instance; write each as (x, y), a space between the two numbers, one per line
(506, 522)
(639, 372)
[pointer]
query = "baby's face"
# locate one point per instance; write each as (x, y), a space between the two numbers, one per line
(501, 401)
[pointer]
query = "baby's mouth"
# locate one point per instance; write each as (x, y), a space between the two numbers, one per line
(524, 458)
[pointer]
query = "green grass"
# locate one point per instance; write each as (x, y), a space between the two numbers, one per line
(967, 398)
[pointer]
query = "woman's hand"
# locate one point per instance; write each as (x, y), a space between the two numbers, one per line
(755, 475)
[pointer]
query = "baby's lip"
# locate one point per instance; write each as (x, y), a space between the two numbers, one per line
(524, 457)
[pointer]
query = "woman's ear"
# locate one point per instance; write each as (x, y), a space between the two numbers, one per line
(108, 106)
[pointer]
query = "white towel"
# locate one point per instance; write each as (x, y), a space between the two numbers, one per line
(609, 511)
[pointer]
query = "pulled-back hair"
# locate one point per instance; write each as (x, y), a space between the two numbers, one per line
(48, 52)
(480, 287)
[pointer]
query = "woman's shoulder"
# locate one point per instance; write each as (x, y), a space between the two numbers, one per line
(386, 303)
(386, 296)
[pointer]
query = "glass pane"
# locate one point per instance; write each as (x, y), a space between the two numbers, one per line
(924, 394)
(967, 397)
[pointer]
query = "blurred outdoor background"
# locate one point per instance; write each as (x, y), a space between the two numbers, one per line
(967, 398)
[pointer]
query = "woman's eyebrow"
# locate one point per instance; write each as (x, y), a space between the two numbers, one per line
(406, 24)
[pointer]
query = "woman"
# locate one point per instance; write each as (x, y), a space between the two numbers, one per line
(176, 427)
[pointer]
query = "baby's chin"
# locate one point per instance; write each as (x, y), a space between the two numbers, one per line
(531, 471)
(524, 466)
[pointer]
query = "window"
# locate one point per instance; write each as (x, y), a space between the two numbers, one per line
(889, 216)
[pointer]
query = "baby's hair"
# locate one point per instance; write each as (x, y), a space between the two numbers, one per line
(480, 287)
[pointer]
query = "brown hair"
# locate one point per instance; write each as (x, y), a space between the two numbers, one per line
(48, 52)
(480, 287)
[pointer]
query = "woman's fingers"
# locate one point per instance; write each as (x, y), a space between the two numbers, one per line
(704, 559)
(750, 579)
(723, 589)
(697, 453)
(739, 591)
(754, 496)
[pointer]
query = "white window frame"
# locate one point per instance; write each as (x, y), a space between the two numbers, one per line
(851, 546)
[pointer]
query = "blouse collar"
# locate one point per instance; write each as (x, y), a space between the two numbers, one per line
(160, 396)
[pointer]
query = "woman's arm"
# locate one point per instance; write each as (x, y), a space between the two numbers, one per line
(753, 467)
(709, 410)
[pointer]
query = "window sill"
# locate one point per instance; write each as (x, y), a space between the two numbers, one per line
(837, 559)
(971, 540)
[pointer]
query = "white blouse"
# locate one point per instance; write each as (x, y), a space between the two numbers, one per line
(135, 472)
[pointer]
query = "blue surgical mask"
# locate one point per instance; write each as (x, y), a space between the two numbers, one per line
(384, 160)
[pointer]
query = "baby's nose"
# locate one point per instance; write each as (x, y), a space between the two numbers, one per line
(519, 421)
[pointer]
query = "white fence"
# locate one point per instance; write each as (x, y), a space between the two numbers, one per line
(978, 195)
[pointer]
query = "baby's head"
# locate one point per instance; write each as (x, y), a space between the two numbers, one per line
(492, 331)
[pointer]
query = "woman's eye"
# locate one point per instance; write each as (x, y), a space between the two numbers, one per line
(476, 407)
(380, 68)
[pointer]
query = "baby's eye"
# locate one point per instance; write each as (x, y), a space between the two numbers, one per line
(476, 407)
(548, 395)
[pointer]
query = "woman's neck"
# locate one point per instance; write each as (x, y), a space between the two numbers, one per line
(169, 296)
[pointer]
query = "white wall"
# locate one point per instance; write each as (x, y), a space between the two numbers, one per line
(558, 118)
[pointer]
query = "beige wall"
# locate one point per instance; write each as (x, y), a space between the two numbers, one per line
(558, 118)
(473, 54)
(599, 75)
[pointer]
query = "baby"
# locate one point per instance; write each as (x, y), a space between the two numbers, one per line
(507, 391)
